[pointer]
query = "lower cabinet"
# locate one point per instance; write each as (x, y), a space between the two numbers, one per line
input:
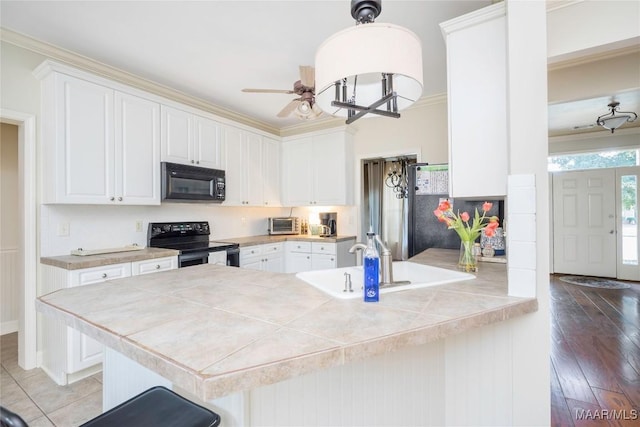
(67, 354)
(267, 257)
(306, 256)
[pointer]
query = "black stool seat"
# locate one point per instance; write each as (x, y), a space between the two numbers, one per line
(158, 407)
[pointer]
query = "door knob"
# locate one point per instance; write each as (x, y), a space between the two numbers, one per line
(612, 231)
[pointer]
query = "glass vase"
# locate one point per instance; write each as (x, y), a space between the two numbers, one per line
(467, 261)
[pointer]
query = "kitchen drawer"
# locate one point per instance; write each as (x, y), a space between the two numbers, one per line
(273, 248)
(154, 265)
(323, 248)
(293, 246)
(250, 251)
(87, 276)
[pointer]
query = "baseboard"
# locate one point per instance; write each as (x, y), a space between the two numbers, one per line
(8, 327)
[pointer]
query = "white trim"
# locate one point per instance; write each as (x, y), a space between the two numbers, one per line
(8, 327)
(27, 332)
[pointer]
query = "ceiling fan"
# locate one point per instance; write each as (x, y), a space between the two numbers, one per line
(304, 107)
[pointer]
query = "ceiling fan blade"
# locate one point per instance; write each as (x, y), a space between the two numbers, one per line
(288, 109)
(307, 75)
(268, 91)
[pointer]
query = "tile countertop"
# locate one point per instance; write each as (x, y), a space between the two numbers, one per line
(75, 262)
(265, 239)
(215, 330)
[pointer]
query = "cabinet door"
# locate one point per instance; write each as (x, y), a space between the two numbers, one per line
(296, 262)
(477, 93)
(297, 174)
(323, 261)
(271, 172)
(137, 151)
(177, 136)
(84, 351)
(208, 143)
(329, 187)
(253, 178)
(273, 263)
(233, 140)
(84, 141)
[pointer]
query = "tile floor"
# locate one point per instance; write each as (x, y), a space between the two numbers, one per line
(38, 400)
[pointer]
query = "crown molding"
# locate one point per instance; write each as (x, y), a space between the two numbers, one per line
(476, 17)
(87, 64)
(600, 56)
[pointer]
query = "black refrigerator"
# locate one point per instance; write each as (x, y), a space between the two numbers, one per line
(427, 186)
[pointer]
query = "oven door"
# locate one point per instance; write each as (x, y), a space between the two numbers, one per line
(193, 258)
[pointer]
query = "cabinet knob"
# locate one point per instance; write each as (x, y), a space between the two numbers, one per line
(192, 161)
(157, 266)
(308, 257)
(112, 198)
(275, 249)
(332, 259)
(197, 162)
(119, 199)
(104, 275)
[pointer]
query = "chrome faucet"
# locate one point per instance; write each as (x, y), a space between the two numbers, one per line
(386, 260)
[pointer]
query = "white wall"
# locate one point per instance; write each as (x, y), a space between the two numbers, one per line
(9, 232)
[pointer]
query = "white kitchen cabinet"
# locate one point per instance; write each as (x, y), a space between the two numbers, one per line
(297, 257)
(267, 257)
(155, 265)
(318, 170)
(271, 171)
(101, 145)
(306, 256)
(252, 168)
(67, 354)
(191, 139)
(477, 98)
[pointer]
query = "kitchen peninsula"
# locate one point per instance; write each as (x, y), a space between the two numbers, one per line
(250, 342)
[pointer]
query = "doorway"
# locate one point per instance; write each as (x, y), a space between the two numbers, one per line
(27, 235)
(596, 222)
(384, 201)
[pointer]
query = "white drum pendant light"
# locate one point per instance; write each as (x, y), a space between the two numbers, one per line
(370, 68)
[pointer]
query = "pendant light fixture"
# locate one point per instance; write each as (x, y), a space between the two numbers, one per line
(615, 118)
(370, 68)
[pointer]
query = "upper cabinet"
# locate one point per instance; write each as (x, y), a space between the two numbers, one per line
(477, 101)
(191, 139)
(252, 168)
(317, 169)
(100, 145)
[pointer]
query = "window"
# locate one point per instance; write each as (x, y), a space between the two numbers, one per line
(603, 159)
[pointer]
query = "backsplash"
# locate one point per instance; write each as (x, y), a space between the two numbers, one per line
(95, 227)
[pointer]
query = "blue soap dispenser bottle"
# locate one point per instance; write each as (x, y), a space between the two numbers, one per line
(371, 261)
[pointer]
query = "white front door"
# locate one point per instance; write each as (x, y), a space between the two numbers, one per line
(584, 216)
(628, 245)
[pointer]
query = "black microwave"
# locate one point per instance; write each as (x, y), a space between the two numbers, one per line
(185, 183)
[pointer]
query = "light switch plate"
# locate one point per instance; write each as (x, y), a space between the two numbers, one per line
(63, 229)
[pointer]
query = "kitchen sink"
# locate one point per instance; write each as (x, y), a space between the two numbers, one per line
(406, 275)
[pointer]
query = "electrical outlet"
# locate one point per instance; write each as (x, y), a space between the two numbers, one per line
(63, 229)
(139, 226)
(243, 221)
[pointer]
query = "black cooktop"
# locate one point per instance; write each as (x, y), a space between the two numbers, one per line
(186, 237)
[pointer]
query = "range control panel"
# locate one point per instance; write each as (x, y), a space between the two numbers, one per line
(177, 229)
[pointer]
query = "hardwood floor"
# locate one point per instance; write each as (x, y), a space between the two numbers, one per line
(595, 355)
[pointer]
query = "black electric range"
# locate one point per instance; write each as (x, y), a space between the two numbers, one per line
(192, 240)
